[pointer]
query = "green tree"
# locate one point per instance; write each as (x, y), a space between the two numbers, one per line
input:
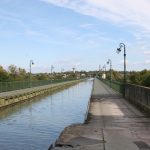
(146, 82)
(21, 74)
(12, 72)
(135, 77)
(42, 76)
(145, 78)
(117, 76)
(3, 74)
(140, 78)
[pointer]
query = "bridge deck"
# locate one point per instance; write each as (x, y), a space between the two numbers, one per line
(113, 124)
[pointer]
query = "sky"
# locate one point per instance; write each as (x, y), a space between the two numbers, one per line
(74, 33)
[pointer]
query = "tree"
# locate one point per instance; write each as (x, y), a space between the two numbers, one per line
(3, 74)
(42, 76)
(13, 72)
(21, 74)
(117, 76)
(146, 79)
(135, 77)
(140, 78)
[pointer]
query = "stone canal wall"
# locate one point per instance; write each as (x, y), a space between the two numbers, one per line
(10, 98)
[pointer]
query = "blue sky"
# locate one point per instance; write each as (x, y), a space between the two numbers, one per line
(74, 33)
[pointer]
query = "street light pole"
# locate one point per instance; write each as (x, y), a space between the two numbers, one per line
(73, 70)
(104, 67)
(104, 74)
(62, 70)
(52, 67)
(118, 51)
(99, 71)
(110, 62)
(99, 68)
(31, 63)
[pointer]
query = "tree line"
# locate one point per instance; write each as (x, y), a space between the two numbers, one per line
(134, 77)
(14, 73)
(140, 77)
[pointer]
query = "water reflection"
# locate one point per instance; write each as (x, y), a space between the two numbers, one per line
(34, 124)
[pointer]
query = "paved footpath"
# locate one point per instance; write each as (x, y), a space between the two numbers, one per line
(28, 90)
(113, 124)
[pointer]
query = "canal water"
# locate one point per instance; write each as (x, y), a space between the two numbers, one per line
(35, 124)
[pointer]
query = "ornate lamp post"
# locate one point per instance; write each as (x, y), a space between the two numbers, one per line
(118, 51)
(31, 63)
(122, 45)
(73, 70)
(52, 67)
(110, 62)
(104, 74)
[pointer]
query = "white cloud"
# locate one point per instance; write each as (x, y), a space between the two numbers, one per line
(122, 62)
(87, 25)
(10, 17)
(147, 62)
(147, 52)
(34, 33)
(41, 69)
(69, 63)
(124, 12)
(136, 63)
(94, 39)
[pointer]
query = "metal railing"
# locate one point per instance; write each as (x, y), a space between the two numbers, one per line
(138, 95)
(17, 85)
(117, 86)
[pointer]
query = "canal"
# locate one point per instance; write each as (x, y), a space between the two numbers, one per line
(35, 124)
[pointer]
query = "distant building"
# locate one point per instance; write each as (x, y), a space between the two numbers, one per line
(83, 75)
(64, 76)
(103, 76)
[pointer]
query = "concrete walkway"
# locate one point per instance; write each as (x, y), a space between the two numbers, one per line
(113, 124)
(28, 90)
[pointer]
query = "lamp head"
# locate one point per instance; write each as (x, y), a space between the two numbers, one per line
(107, 62)
(118, 50)
(31, 62)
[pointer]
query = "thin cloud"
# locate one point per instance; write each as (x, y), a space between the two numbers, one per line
(69, 63)
(35, 33)
(87, 25)
(147, 62)
(6, 16)
(147, 52)
(125, 12)
(127, 62)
